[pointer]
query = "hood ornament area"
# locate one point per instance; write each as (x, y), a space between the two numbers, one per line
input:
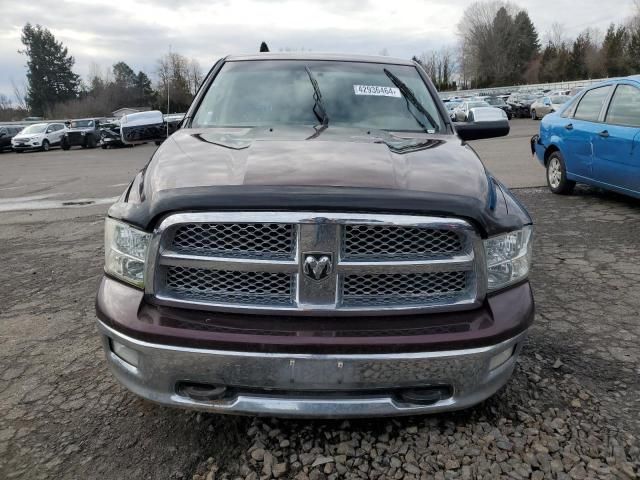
(317, 265)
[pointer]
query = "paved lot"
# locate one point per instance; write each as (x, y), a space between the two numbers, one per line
(571, 411)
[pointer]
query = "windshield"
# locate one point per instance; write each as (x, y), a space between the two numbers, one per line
(528, 97)
(81, 123)
(478, 104)
(495, 101)
(37, 128)
(560, 99)
(267, 93)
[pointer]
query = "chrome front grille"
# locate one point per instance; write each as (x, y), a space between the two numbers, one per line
(256, 288)
(400, 289)
(259, 240)
(390, 241)
(316, 263)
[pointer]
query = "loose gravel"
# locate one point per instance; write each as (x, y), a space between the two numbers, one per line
(571, 410)
(544, 424)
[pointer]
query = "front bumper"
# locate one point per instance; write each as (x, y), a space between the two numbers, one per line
(312, 385)
(313, 367)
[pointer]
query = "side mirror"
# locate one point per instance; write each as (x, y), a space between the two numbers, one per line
(143, 127)
(485, 122)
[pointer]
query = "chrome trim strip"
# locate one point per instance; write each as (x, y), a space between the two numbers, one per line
(461, 263)
(174, 259)
(323, 232)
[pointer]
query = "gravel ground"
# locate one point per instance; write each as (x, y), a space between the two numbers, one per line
(570, 411)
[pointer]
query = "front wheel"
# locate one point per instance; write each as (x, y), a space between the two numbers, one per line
(557, 175)
(45, 145)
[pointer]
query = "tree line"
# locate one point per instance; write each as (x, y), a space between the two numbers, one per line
(500, 45)
(54, 90)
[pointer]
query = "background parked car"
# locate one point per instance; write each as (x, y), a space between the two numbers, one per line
(521, 104)
(549, 104)
(38, 136)
(595, 139)
(451, 108)
(7, 132)
(462, 111)
(498, 102)
(110, 136)
(83, 132)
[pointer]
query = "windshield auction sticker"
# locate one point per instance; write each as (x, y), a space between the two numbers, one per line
(376, 91)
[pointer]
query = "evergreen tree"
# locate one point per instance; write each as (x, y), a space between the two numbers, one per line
(264, 47)
(527, 46)
(503, 48)
(614, 49)
(578, 57)
(634, 51)
(50, 78)
(124, 76)
(146, 95)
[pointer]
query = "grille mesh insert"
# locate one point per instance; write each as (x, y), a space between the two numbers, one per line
(396, 289)
(252, 240)
(388, 242)
(264, 288)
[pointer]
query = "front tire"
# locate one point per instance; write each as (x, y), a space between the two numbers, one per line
(557, 175)
(45, 146)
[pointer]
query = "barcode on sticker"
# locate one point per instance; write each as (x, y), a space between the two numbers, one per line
(376, 91)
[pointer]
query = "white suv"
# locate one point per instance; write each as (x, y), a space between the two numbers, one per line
(38, 136)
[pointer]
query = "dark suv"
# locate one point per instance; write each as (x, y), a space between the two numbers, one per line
(7, 132)
(316, 240)
(84, 133)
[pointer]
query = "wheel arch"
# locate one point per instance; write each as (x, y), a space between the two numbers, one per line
(548, 151)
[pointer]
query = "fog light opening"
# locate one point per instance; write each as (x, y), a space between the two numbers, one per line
(124, 353)
(424, 395)
(501, 358)
(202, 392)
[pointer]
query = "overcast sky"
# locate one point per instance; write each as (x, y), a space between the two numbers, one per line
(140, 31)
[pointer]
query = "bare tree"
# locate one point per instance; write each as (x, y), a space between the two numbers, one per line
(195, 76)
(5, 102)
(20, 94)
(556, 35)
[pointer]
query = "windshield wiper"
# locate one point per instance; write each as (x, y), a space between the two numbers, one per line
(410, 97)
(318, 107)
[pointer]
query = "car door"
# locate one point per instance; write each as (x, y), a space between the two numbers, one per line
(616, 150)
(580, 130)
(543, 106)
(59, 133)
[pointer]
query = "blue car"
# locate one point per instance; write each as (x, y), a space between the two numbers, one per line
(594, 139)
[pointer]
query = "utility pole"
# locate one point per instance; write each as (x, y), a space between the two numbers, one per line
(168, 86)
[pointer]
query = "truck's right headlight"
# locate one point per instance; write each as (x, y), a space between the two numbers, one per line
(508, 257)
(125, 251)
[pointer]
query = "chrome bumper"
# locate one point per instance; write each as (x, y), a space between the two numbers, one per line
(310, 385)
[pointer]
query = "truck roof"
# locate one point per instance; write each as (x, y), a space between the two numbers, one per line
(339, 57)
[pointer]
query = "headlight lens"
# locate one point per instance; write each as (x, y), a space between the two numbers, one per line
(508, 257)
(125, 251)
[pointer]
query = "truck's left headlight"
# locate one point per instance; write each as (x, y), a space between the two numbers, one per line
(125, 251)
(508, 258)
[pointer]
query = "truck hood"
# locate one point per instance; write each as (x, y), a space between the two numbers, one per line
(339, 169)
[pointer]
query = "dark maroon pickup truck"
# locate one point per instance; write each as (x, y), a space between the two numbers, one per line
(315, 240)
